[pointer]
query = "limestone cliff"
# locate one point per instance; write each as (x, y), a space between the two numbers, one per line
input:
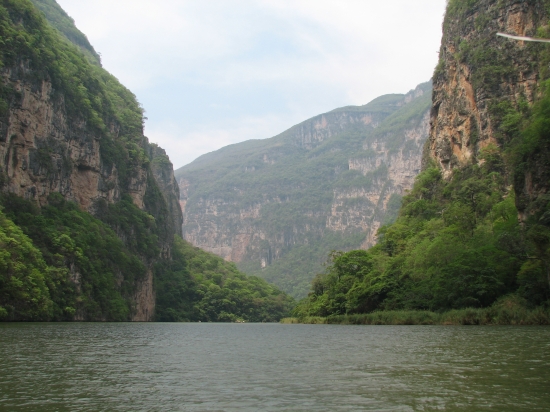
(278, 206)
(163, 172)
(481, 79)
(44, 151)
(68, 127)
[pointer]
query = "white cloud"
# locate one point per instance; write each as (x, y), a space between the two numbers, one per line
(210, 138)
(223, 71)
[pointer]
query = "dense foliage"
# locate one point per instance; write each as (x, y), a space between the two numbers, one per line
(83, 269)
(65, 24)
(509, 310)
(23, 271)
(60, 263)
(200, 286)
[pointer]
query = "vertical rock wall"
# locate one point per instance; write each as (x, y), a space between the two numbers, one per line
(480, 78)
(44, 151)
(477, 71)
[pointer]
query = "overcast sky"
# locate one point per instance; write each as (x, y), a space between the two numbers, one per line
(215, 72)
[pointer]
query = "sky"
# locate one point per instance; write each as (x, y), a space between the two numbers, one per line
(210, 73)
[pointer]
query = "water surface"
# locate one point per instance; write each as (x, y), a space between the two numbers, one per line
(272, 367)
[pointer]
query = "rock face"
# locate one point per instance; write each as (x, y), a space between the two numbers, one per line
(480, 78)
(48, 145)
(163, 172)
(278, 206)
(43, 152)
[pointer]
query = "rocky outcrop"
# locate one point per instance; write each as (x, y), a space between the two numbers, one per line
(42, 151)
(312, 133)
(144, 298)
(163, 173)
(365, 209)
(480, 78)
(478, 70)
(331, 177)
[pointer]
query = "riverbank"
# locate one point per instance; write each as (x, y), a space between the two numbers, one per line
(470, 316)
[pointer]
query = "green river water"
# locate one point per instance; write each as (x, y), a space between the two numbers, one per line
(272, 367)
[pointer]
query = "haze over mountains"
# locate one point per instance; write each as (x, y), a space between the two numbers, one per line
(278, 206)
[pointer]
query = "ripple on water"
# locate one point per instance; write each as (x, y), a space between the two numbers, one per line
(271, 367)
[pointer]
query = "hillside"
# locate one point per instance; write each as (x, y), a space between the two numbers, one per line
(89, 208)
(276, 207)
(474, 231)
(62, 22)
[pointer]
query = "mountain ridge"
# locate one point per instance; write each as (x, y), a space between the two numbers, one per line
(354, 148)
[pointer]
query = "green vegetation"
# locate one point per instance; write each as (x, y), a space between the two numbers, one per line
(456, 244)
(529, 154)
(457, 252)
(84, 270)
(293, 184)
(23, 289)
(200, 286)
(65, 24)
(58, 262)
(505, 312)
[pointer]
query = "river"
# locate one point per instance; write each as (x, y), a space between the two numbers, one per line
(272, 367)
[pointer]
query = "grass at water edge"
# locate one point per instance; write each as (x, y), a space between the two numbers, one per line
(469, 316)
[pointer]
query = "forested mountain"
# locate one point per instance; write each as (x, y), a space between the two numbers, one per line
(89, 211)
(475, 229)
(278, 206)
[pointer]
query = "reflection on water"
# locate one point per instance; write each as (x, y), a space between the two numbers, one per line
(271, 367)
